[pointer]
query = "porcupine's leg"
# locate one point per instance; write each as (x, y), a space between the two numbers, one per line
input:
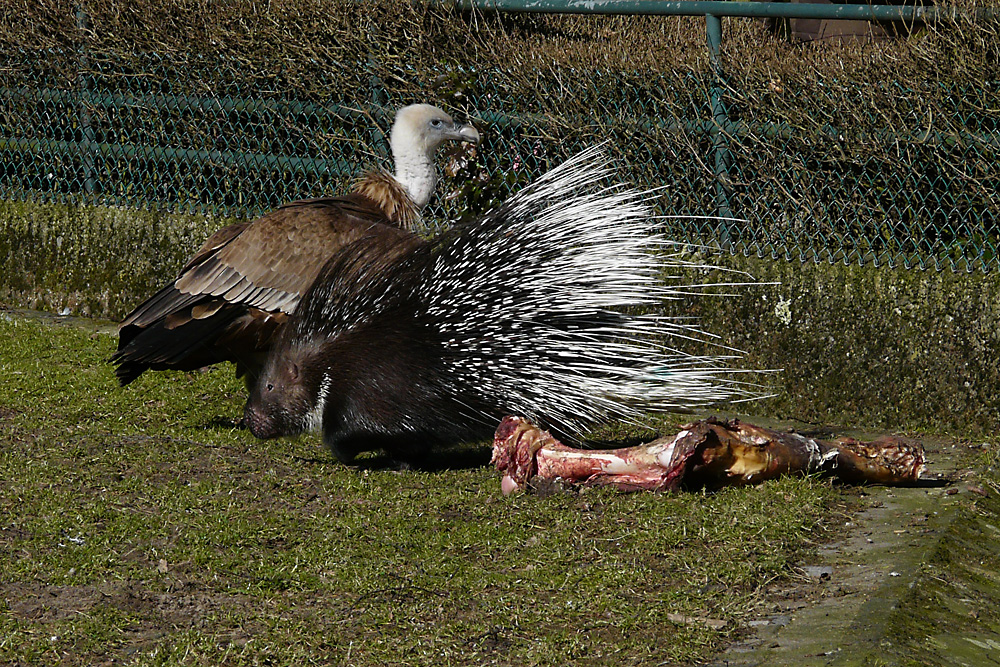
(707, 453)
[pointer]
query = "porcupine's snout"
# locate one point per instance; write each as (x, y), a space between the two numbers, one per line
(260, 423)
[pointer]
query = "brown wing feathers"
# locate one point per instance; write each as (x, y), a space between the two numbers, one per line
(236, 291)
(230, 334)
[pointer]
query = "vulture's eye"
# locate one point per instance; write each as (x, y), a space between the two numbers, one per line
(436, 122)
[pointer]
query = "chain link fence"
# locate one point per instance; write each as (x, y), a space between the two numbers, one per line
(193, 134)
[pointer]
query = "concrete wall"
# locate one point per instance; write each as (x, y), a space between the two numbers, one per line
(866, 347)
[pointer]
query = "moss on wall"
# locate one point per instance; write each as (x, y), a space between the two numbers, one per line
(91, 260)
(874, 347)
(871, 347)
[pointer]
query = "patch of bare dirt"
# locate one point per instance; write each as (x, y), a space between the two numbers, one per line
(184, 607)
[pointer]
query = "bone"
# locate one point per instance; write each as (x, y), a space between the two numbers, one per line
(709, 453)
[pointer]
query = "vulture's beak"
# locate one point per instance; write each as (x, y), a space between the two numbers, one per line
(468, 133)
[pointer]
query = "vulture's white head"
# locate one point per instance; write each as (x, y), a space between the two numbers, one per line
(418, 131)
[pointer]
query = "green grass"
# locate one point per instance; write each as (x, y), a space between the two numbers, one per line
(139, 526)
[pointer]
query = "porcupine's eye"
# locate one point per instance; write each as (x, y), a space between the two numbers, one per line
(269, 387)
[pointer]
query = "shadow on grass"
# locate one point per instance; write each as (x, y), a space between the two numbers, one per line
(464, 457)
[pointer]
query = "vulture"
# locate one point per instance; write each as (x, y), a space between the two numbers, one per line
(240, 287)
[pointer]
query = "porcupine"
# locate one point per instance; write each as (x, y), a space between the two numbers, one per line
(534, 309)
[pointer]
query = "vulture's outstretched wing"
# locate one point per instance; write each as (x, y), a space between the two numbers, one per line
(239, 288)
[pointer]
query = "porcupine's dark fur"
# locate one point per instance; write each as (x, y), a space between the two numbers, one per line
(524, 312)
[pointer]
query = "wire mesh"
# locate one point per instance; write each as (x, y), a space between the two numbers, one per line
(195, 136)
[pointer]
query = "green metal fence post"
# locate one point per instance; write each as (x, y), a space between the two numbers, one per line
(713, 29)
(87, 141)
